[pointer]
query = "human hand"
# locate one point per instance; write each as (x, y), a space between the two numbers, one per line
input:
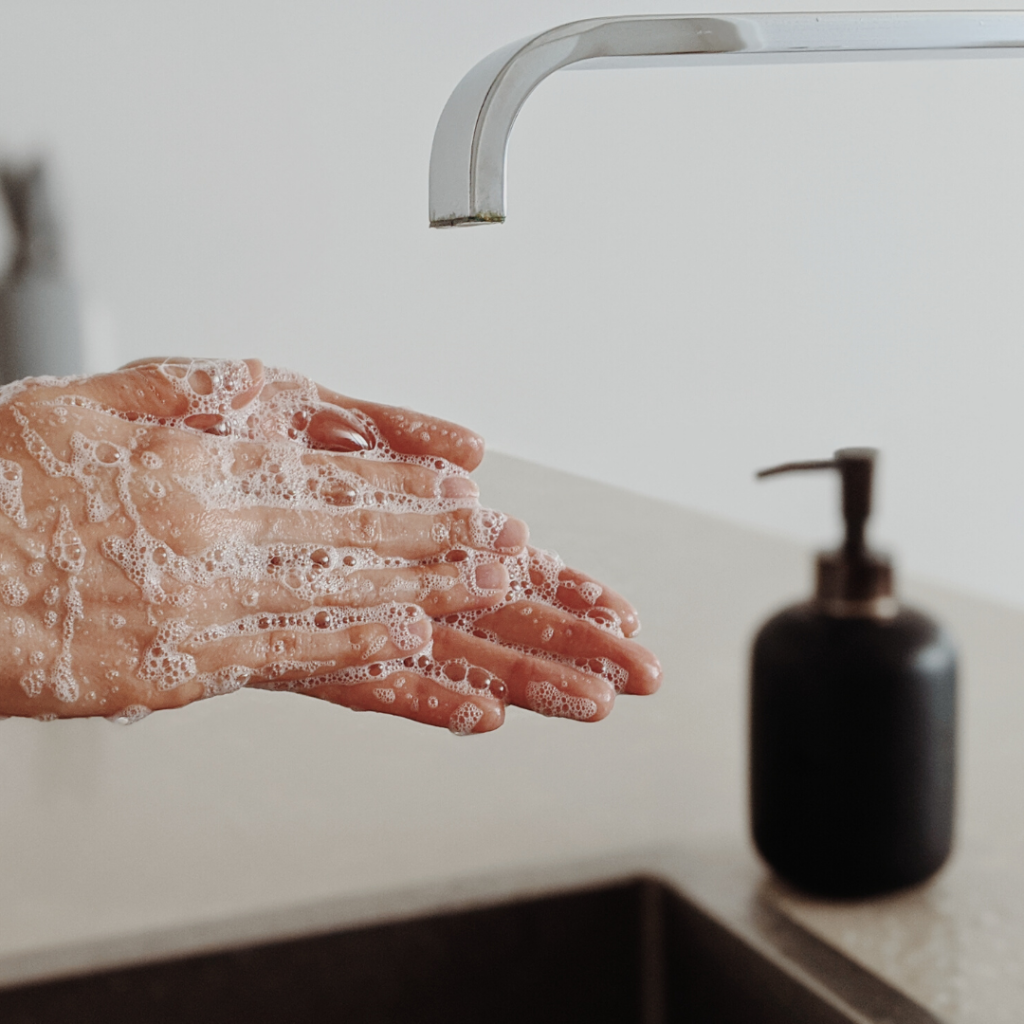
(234, 592)
(165, 545)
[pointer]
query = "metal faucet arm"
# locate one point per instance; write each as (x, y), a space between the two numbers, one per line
(467, 161)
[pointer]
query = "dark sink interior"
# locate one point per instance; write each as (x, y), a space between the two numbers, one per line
(632, 952)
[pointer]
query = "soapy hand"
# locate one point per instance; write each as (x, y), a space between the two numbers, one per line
(183, 528)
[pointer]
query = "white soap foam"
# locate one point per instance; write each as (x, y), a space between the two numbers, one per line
(14, 594)
(130, 715)
(11, 503)
(33, 681)
(225, 680)
(464, 718)
(163, 664)
(547, 699)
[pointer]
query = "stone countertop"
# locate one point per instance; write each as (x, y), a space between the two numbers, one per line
(261, 815)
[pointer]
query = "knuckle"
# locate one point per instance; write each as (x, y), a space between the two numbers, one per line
(364, 526)
(445, 530)
(278, 646)
(168, 700)
(416, 481)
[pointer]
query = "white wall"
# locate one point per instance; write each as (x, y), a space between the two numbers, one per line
(704, 271)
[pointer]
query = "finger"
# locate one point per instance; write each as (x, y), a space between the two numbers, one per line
(371, 480)
(334, 431)
(412, 433)
(289, 410)
(442, 589)
(547, 687)
(290, 647)
(409, 536)
(401, 477)
(416, 537)
(418, 698)
(170, 388)
(321, 575)
(585, 596)
(631, 668)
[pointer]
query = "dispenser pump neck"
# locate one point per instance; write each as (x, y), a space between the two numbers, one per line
(851, 580)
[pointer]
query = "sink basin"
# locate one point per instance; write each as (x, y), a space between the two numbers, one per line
(635, 951)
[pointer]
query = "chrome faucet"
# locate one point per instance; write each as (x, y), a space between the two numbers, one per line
(467, 162)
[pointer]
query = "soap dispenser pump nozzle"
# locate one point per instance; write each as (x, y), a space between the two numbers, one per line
(852, 580)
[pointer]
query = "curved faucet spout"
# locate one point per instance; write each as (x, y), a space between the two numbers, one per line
(467, 162)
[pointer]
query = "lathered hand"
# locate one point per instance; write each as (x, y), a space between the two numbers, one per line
(180, 529)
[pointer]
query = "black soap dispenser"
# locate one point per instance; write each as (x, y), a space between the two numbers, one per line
(852, 721)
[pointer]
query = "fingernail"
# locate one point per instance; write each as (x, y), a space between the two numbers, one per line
(421, 628)
(513, 536)
(491, 576)
(337, 492)
(459, 487)
(332, 429)
(650, 673)
(338, 437)
(204, 421)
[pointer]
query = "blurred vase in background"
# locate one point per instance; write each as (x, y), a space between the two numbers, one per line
(40, 324)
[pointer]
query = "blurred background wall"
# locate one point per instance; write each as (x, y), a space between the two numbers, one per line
(704, 271)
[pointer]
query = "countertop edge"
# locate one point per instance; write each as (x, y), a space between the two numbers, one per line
(727, 889)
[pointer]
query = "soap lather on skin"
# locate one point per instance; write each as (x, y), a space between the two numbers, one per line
(213, 524)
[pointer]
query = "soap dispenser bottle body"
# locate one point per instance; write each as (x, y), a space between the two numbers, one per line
(852, 748)
(852, 720)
